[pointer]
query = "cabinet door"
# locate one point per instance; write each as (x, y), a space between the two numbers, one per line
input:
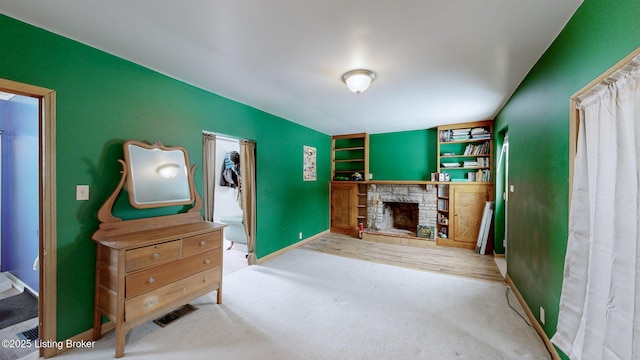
(468, 203)
(343, 208)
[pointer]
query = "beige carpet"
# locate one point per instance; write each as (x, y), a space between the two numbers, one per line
(310, 305)
(234, 259)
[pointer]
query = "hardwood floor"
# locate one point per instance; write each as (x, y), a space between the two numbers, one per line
(440, 259)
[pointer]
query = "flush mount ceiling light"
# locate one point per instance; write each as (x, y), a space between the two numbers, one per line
(358, 80)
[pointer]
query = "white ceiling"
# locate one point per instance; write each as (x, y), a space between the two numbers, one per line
(437, 61)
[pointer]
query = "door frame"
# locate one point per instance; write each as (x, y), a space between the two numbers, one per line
(47, 302)
(505, 152)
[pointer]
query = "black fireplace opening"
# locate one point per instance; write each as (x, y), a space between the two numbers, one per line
(402, 215)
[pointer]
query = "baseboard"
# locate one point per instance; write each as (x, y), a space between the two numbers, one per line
(5, 283)
(290, 247)
(19, 284)
(536, 325)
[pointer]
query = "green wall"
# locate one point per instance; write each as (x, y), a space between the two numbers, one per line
(102, 101)
(405, 155)
(599, 34)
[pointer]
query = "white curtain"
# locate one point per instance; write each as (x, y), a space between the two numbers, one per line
(209, 174)
(599, 315)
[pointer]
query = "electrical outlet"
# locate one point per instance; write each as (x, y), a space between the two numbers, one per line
(542, 319)
(370, 176)
(82, 192)
(300, 235)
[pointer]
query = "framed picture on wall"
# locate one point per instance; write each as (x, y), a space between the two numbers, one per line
(309, 164)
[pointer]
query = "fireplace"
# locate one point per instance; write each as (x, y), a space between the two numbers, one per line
(401, 216)
(401, 208)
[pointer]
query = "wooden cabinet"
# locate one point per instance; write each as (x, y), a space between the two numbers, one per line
(349, 154)
(463, 213)
(148, 267)
(465, 151)
(348, 207)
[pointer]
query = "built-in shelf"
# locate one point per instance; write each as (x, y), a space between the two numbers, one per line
(465, 152)
(349, 155)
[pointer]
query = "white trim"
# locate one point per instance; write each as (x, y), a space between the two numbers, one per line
(19, 284)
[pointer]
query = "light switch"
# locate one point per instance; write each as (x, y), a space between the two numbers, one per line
(512, 188)
(82, 192)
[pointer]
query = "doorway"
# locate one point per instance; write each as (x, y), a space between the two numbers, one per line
(229, 195)
(42, 229)
(502, 185)
(226, 205)
(19, 217)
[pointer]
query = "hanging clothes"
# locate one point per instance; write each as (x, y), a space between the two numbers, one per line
(230, 170)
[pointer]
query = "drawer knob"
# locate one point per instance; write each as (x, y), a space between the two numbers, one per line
(206, 279)
(151, 280)
(156, 255)
(203, 243)
(207, 261)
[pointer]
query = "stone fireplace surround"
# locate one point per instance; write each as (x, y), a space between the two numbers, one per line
(381, 220)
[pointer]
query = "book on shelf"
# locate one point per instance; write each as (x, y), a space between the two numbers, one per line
(461, 136)
(480, 133)
(478, 149)
(450, 164)
(461, 131)
(455, 135)
(483, 175)
(478, 162)
(445, 136)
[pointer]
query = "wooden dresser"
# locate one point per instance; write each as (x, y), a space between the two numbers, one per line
(148, 267)
(141, 275)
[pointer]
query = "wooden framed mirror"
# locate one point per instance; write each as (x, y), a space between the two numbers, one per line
(155, 176)
(158, 175)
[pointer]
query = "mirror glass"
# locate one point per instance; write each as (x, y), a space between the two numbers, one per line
(158, 175)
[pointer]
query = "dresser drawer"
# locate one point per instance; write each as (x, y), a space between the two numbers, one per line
(155, 277)
(164, 296)
(152, 255)
(199, 243)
